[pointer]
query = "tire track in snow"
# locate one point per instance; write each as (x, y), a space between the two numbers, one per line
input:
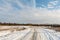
(33, 34)
(53, 35)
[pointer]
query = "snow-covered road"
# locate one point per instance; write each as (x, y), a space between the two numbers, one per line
(33, 33)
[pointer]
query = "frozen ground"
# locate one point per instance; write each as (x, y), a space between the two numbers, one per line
(30, 33)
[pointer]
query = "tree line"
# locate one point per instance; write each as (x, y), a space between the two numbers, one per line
(30, 24)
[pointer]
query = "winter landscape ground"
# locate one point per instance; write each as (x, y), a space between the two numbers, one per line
(28, 33)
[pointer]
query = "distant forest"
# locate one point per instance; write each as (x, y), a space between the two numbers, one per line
(17, 24)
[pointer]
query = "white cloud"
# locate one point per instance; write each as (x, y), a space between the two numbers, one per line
(52, 4)
(43, 15)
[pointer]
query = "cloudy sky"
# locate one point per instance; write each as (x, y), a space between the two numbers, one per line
(30, 11)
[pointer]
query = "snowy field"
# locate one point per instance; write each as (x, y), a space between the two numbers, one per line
(29, 33)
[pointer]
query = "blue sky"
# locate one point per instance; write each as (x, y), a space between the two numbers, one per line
(30, 11)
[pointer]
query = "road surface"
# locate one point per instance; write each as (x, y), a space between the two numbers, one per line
(33, 33)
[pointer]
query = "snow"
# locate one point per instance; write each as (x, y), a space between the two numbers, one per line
(2, 33)
(31, 33)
